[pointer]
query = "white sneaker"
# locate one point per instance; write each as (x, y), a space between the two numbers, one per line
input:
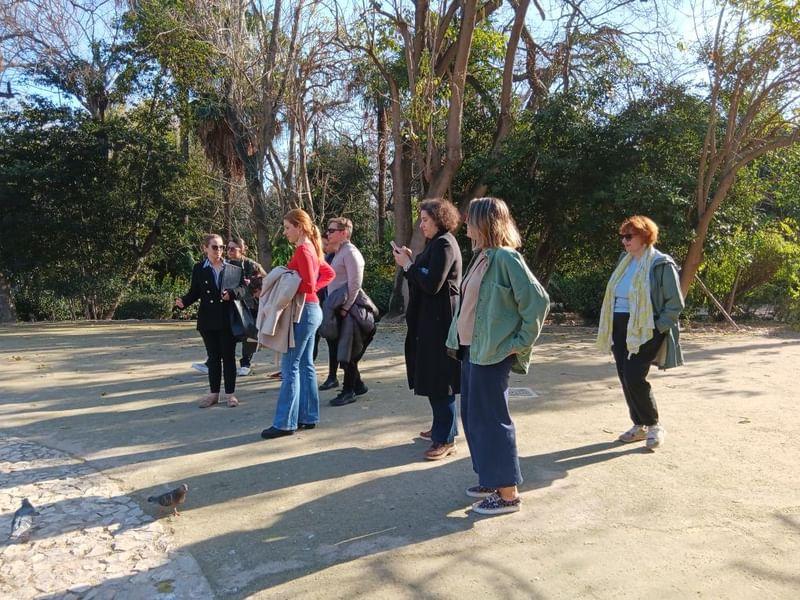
(635, 434)
(655, 436)
(201, 367)
(243, 371)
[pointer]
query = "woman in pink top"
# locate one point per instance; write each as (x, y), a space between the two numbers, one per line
(298, 400)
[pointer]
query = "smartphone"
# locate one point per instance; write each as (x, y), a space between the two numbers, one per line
(395, 247)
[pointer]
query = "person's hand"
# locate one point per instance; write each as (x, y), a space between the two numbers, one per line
(179, 303)
(402, 257)
(226, 295)
(343, 312)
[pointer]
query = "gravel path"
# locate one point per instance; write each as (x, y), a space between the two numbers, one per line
(91, 540)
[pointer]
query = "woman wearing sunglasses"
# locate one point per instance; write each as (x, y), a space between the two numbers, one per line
(215, 283)
(639, 324)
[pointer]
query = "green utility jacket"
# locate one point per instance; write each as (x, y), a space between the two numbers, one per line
(665, 292)
(511, 309)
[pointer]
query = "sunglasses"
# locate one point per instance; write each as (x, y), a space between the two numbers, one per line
(627, 236)
(215, 247)
(333, 230)
(233, 247)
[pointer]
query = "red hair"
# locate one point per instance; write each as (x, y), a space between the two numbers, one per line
(642, 226)
(300, 219)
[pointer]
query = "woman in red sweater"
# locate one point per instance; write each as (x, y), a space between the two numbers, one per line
(298, 400)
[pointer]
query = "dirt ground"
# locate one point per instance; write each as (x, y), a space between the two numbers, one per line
(349, 510)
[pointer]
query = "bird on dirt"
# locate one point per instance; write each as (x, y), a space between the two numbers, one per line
(23, 523)
(171, 499)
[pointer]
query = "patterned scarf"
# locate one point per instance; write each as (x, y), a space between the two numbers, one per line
(640, 323)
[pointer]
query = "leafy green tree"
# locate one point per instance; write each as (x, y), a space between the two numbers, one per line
(87, 204)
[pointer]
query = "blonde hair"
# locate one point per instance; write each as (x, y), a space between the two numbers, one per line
(493, 222)
(210, 236)
(342, 224)
(300, 219)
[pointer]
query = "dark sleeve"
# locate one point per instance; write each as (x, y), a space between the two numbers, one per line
(194, 287)
(442, 256)
(255, 269)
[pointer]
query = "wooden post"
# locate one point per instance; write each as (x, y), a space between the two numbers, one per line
(716, 303)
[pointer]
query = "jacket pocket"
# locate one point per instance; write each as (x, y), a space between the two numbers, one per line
(500, 301)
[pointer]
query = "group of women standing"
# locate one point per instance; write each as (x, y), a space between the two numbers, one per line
(466, 334)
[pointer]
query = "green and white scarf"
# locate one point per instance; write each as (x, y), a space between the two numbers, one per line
(640, 323)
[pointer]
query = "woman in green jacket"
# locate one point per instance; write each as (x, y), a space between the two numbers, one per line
(639, 324)
(500, 316)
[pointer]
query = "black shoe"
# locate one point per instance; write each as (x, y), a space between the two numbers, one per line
(343, 399)
(329, 385)
(306, 426)
(274, 432)
(360, 391)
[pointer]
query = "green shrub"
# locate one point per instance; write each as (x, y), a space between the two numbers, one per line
(581, 293)
(45, 305)
(145, 306)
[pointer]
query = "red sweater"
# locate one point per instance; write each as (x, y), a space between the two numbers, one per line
(313, 274)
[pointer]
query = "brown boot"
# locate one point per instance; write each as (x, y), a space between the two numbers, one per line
(439, 451)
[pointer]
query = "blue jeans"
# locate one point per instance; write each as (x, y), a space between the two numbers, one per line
(298, 398)
(444, 428)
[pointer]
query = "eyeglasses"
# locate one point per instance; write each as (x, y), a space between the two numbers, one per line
(215, 247)
(333, 230)
(233, 247)
(627, 236)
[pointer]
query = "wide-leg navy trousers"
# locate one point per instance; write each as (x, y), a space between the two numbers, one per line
(488, 427)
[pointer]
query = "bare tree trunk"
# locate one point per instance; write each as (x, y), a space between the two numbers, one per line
(227, 209)
(454, 156)
(383, 140)
(8, 313)
(694, 255)
(731, 297)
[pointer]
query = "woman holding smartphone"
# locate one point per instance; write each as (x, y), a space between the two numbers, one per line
(215, 283)
(433, 278)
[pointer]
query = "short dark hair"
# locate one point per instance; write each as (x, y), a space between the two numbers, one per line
(443, 213)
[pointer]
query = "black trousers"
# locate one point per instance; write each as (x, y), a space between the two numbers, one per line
(633, 371)
(248, 349)
(333, 364)
(221, 348)
(352, 378)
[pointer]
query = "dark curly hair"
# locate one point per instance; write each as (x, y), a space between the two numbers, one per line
(443, 213)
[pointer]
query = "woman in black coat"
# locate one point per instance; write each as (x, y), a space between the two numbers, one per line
(216, 283)
(434, 278)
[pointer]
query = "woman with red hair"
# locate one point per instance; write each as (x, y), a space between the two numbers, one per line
(639, 324)
(298, 400)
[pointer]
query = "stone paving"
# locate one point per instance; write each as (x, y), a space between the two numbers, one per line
(91, 540)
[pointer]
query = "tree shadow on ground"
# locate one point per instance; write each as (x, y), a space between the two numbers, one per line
(386, 512)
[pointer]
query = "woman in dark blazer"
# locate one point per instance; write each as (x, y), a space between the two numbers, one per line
(434, 278)
(215, 283)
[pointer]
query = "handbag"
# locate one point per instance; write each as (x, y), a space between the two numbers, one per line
(243, 325)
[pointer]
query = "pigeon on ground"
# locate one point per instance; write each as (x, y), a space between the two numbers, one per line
(171, 499)
(22, 523)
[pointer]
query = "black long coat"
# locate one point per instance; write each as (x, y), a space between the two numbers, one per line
(433, 284)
